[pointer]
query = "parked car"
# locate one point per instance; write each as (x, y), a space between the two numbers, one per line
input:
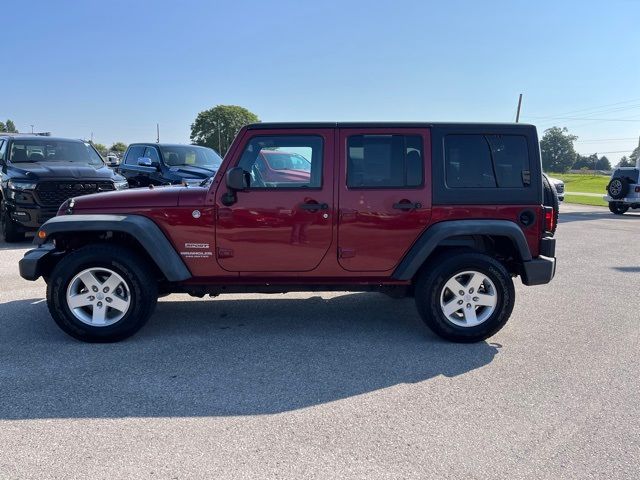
(39, 173)
(278, 166)
(165, 164)
(559, 186)
(446, 213)
(112, 160)
(623, 190)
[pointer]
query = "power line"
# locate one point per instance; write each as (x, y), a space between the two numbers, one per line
(633, 119)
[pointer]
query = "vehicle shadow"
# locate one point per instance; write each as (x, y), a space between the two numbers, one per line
(17, 246)
(223, 357)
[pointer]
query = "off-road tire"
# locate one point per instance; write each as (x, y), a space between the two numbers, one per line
(618, 188)
(551, 200)
(618, 208)
(142, 285)
(431, 282)
(9, 230)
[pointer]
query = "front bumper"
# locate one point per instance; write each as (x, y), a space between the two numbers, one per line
(38, 262)
(29, 217)
(541, 269)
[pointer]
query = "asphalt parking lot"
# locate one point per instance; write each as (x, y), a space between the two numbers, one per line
(337, 385)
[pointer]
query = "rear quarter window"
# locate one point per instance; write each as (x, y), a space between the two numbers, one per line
(485, 164)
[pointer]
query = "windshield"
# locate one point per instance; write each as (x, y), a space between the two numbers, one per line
(190, 155)
(29, 151)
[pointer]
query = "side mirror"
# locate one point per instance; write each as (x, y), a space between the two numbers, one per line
(147, 162)
(237, 179)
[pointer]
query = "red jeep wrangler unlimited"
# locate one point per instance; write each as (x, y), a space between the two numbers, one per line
(447, 213)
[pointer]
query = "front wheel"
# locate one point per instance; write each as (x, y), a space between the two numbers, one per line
(465, 297)
(101, 293)
(618, 208)
(9, 229)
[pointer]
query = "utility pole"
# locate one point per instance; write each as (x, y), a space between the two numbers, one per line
(519, 105)
(31, 128)
(157, 133)
(91, 137)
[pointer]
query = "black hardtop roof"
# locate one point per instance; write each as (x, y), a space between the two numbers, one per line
(506, 125)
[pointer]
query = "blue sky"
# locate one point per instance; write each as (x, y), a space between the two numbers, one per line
(115, 68)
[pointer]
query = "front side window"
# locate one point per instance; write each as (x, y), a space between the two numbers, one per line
(134, 152)
(486, 161)
(30, 151)
(384, 161)
(152, 153)
(286, 161)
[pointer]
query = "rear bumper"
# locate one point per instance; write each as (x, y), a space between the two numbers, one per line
(37, 262)
(541, 269)
(633, 200)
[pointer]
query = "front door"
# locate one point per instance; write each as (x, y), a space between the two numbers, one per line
(283, 222)
(384, 196)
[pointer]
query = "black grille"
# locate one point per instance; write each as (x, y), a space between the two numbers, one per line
(53, 194)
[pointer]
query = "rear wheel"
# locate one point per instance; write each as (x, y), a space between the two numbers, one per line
(101, 293)
(466, 297)
(9, 229)
(618, 208)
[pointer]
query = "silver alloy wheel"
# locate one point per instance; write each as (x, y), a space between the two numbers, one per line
(98, 297)
(615, 187)
(468, 298)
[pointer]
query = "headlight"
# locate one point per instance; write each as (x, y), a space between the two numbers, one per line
(17, 185)
(121, 184)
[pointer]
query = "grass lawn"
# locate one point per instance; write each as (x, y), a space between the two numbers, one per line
(584, 200)
(577, 182)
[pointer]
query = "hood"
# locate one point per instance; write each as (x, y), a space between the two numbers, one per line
(192, 171)
(130, 199)
(62, 170)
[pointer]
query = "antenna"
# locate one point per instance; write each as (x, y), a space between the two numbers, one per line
(519, 105)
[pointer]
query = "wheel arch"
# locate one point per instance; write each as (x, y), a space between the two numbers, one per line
(483, 236)
(139, 233)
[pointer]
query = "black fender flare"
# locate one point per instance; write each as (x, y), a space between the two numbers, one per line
(143, 229)
(436, 234)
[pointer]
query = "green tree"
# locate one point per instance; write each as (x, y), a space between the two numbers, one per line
(603, 163)
(634, 156)
(626, 162)
(556, 147)
(8, 127)
(218, 126)
(582, 162)
(118, 147)
(102, 149)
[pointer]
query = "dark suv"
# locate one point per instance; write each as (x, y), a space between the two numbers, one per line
(446, 213)
(39, 173)
(165, 164)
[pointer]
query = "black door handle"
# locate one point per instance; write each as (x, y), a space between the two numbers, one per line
(407, 205)
(314, 206)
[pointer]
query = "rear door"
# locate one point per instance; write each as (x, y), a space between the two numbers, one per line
(384, 196)
(282, 224)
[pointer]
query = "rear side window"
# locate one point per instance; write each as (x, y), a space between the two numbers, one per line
(2, 143)
(133, 154)
(486, 161)
(384, 161)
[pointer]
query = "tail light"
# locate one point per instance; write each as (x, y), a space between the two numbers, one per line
(638, 189)
(549, 223)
